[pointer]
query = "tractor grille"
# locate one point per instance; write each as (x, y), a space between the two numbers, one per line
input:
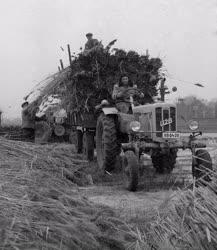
(173, 116)
(158, 120)
(163, 114)
(166, 116)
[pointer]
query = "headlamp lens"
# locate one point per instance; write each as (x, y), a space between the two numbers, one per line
(135, 126)
(193, 125)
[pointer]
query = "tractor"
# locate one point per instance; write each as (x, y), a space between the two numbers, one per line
(147, 129)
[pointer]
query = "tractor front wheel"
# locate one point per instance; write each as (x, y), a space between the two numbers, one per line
(202, 166)
(131, 170)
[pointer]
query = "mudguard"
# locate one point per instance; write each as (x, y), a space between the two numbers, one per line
(123, 119)
(110, 111)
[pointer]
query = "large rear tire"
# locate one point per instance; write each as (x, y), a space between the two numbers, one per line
(131, 171)
(202, 168)
(107, 147)
(42, 132)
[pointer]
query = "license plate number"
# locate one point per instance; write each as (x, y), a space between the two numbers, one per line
(171, 135)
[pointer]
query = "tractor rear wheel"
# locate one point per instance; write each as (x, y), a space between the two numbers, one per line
(107, 147)
(131, 170)
(201, 170)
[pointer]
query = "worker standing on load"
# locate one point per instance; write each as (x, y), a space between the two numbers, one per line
(28, 121)
(121, 93)
(91, 42)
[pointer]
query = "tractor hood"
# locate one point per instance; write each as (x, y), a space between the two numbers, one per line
(150, 107)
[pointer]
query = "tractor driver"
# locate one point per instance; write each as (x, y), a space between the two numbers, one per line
(121, 93)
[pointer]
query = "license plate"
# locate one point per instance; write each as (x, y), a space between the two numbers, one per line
(171, 135)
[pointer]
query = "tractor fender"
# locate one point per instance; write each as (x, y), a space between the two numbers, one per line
(110, 111)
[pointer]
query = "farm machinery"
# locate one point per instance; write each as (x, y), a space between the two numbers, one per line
(147, 129)
(150, 128)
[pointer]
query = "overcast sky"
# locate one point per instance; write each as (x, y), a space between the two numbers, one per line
(182, 32)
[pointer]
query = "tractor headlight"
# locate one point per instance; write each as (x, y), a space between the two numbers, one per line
(135, 126)
(193, 125)
(104, 102)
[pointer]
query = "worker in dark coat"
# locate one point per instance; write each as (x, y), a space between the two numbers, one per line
(91, 45)
(91, 42)
(28, 121)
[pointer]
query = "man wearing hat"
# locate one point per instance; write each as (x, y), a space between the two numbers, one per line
(91, 44)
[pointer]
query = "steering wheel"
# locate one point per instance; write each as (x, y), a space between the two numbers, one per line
(133, 92)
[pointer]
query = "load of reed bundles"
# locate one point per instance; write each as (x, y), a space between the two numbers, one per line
(91, 78)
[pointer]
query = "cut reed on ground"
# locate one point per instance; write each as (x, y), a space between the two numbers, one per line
(187, 219)
(40, 206)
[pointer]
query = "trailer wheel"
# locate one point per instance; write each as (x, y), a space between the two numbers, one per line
(88, 145)
(107, 146)
(202, 168)
(131, 170)
(42, 132)
(79, 141)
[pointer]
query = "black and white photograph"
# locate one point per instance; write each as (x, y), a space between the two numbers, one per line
(108, 125)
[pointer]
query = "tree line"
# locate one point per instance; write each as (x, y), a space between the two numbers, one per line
(192, 107)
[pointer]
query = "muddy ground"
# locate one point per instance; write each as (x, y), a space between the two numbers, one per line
(153, 189)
